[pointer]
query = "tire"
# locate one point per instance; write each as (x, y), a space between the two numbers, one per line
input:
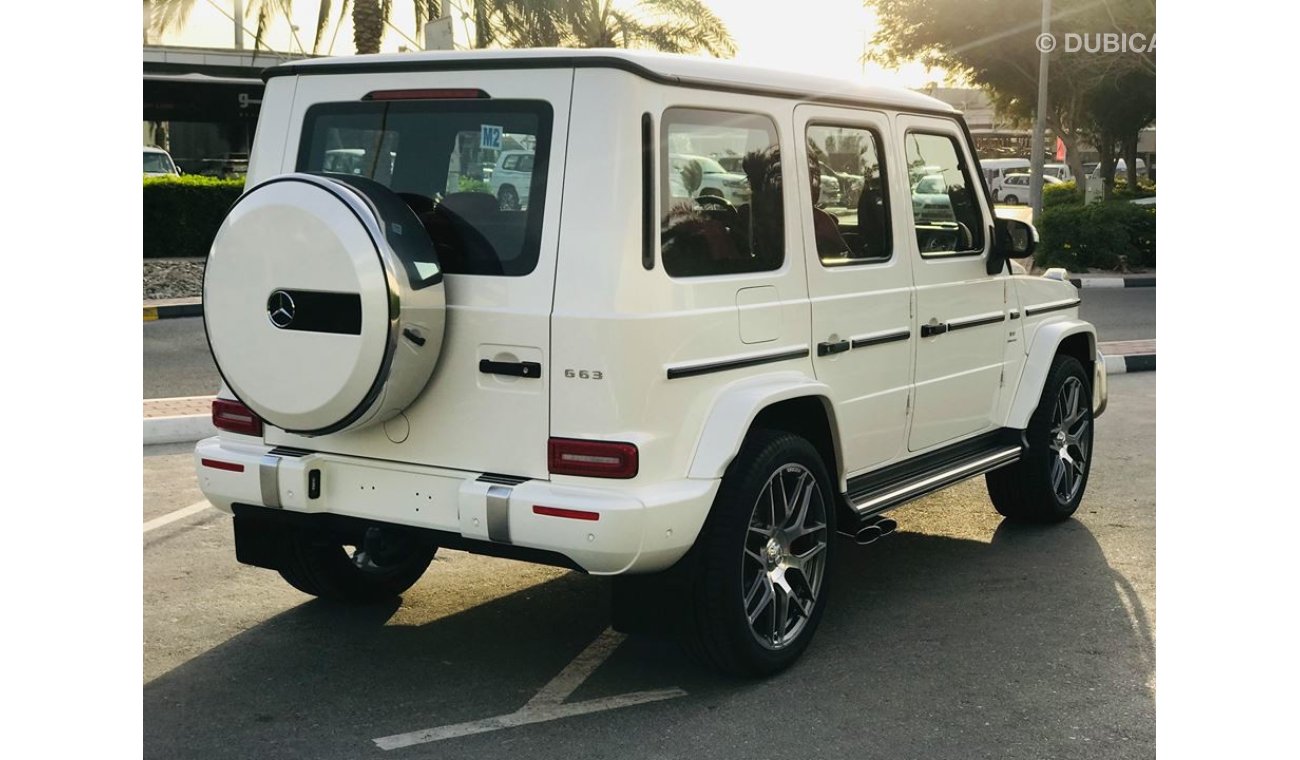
(750, 558)
(325, 569)
(1013, 200)
(508, 198)
(1047, 484)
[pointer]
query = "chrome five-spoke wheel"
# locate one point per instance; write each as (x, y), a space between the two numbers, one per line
(785, 556)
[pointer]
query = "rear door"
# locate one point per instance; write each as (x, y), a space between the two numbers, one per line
(859, 280)
(432, 145)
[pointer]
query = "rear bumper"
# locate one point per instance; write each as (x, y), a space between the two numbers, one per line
(638, 528)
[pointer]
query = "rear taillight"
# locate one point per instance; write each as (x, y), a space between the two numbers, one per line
(593, 459)
(235, 417)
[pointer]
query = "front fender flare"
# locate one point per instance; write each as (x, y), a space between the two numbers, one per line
(1047, 338)
(735, 409)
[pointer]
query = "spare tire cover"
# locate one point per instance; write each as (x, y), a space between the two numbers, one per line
(323, 303)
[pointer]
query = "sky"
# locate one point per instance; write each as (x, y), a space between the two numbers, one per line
(825, 37)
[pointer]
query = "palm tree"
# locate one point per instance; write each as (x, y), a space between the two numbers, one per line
(171, 15)
(674, 26)
(369, 17)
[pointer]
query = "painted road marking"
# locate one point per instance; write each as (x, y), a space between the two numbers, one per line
(179, 514)
(150, 313)
(548, 704)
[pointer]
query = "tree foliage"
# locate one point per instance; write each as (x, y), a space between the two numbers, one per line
(992, 44)
(674, 26)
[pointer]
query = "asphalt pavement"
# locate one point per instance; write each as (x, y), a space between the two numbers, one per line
(960, 636)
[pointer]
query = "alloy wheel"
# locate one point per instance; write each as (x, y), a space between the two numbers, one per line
(1071, 419)
(784, 563)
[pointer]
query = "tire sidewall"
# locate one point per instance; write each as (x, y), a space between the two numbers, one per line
(722, 584)
(1039, 435)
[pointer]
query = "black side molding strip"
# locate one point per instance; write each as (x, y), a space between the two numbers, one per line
(705, 368)
(961, 325)
(1015, 314)
(889, 337)
(1032, 310)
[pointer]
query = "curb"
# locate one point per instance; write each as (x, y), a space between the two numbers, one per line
(177, 420)
(1121, 365)
(1123, 356)
(180, 307)
(182, 429)
(1113, 282)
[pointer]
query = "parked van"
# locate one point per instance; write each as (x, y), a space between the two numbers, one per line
(1121, 169)
(693, 393)
(996, 170)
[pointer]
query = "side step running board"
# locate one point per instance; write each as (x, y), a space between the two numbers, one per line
(879, 492)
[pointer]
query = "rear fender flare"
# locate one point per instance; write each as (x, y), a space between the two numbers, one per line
(736, 408)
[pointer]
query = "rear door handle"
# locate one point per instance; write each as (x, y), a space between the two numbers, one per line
(513, 369)
(934, 328)
(826, 349)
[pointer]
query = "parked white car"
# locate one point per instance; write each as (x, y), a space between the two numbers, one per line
(511, 178)
(158, 163)
(996, 170)
(716, 180)
(1015, 188)
(692, 396)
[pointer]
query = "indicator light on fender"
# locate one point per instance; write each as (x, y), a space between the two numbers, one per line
(592, 459)
(233, 416)
(572, 514)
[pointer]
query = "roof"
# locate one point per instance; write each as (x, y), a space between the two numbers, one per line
(690, 71)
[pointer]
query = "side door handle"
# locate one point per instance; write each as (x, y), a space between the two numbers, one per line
(513, 369)
(826, 349)
(933, 328)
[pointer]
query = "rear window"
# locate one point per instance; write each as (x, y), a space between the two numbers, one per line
(438, 156)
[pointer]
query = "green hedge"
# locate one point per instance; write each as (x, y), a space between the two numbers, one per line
(1062, 194)
(1095, 236)
(182, 214)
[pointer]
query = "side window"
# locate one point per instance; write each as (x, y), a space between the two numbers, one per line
(720, 192)
(944, 206)
(849, 203)
(511, 162)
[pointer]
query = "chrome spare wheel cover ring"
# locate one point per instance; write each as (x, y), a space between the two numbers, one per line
(1071, 420)
(784, 561)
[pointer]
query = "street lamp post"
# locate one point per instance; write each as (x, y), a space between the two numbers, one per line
(1040, 121)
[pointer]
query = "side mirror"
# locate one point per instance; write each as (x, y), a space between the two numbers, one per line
(1015, 239)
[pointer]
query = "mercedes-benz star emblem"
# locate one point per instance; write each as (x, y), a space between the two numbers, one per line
(280, 309)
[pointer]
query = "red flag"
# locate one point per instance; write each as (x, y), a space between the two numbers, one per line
(1060, 150)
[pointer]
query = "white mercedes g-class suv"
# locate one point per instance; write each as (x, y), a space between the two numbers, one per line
(623, 377)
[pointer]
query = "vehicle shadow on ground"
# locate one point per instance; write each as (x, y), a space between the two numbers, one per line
(931, 646)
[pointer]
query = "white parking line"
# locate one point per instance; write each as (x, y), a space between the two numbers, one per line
(179, 514)
(548, 704)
